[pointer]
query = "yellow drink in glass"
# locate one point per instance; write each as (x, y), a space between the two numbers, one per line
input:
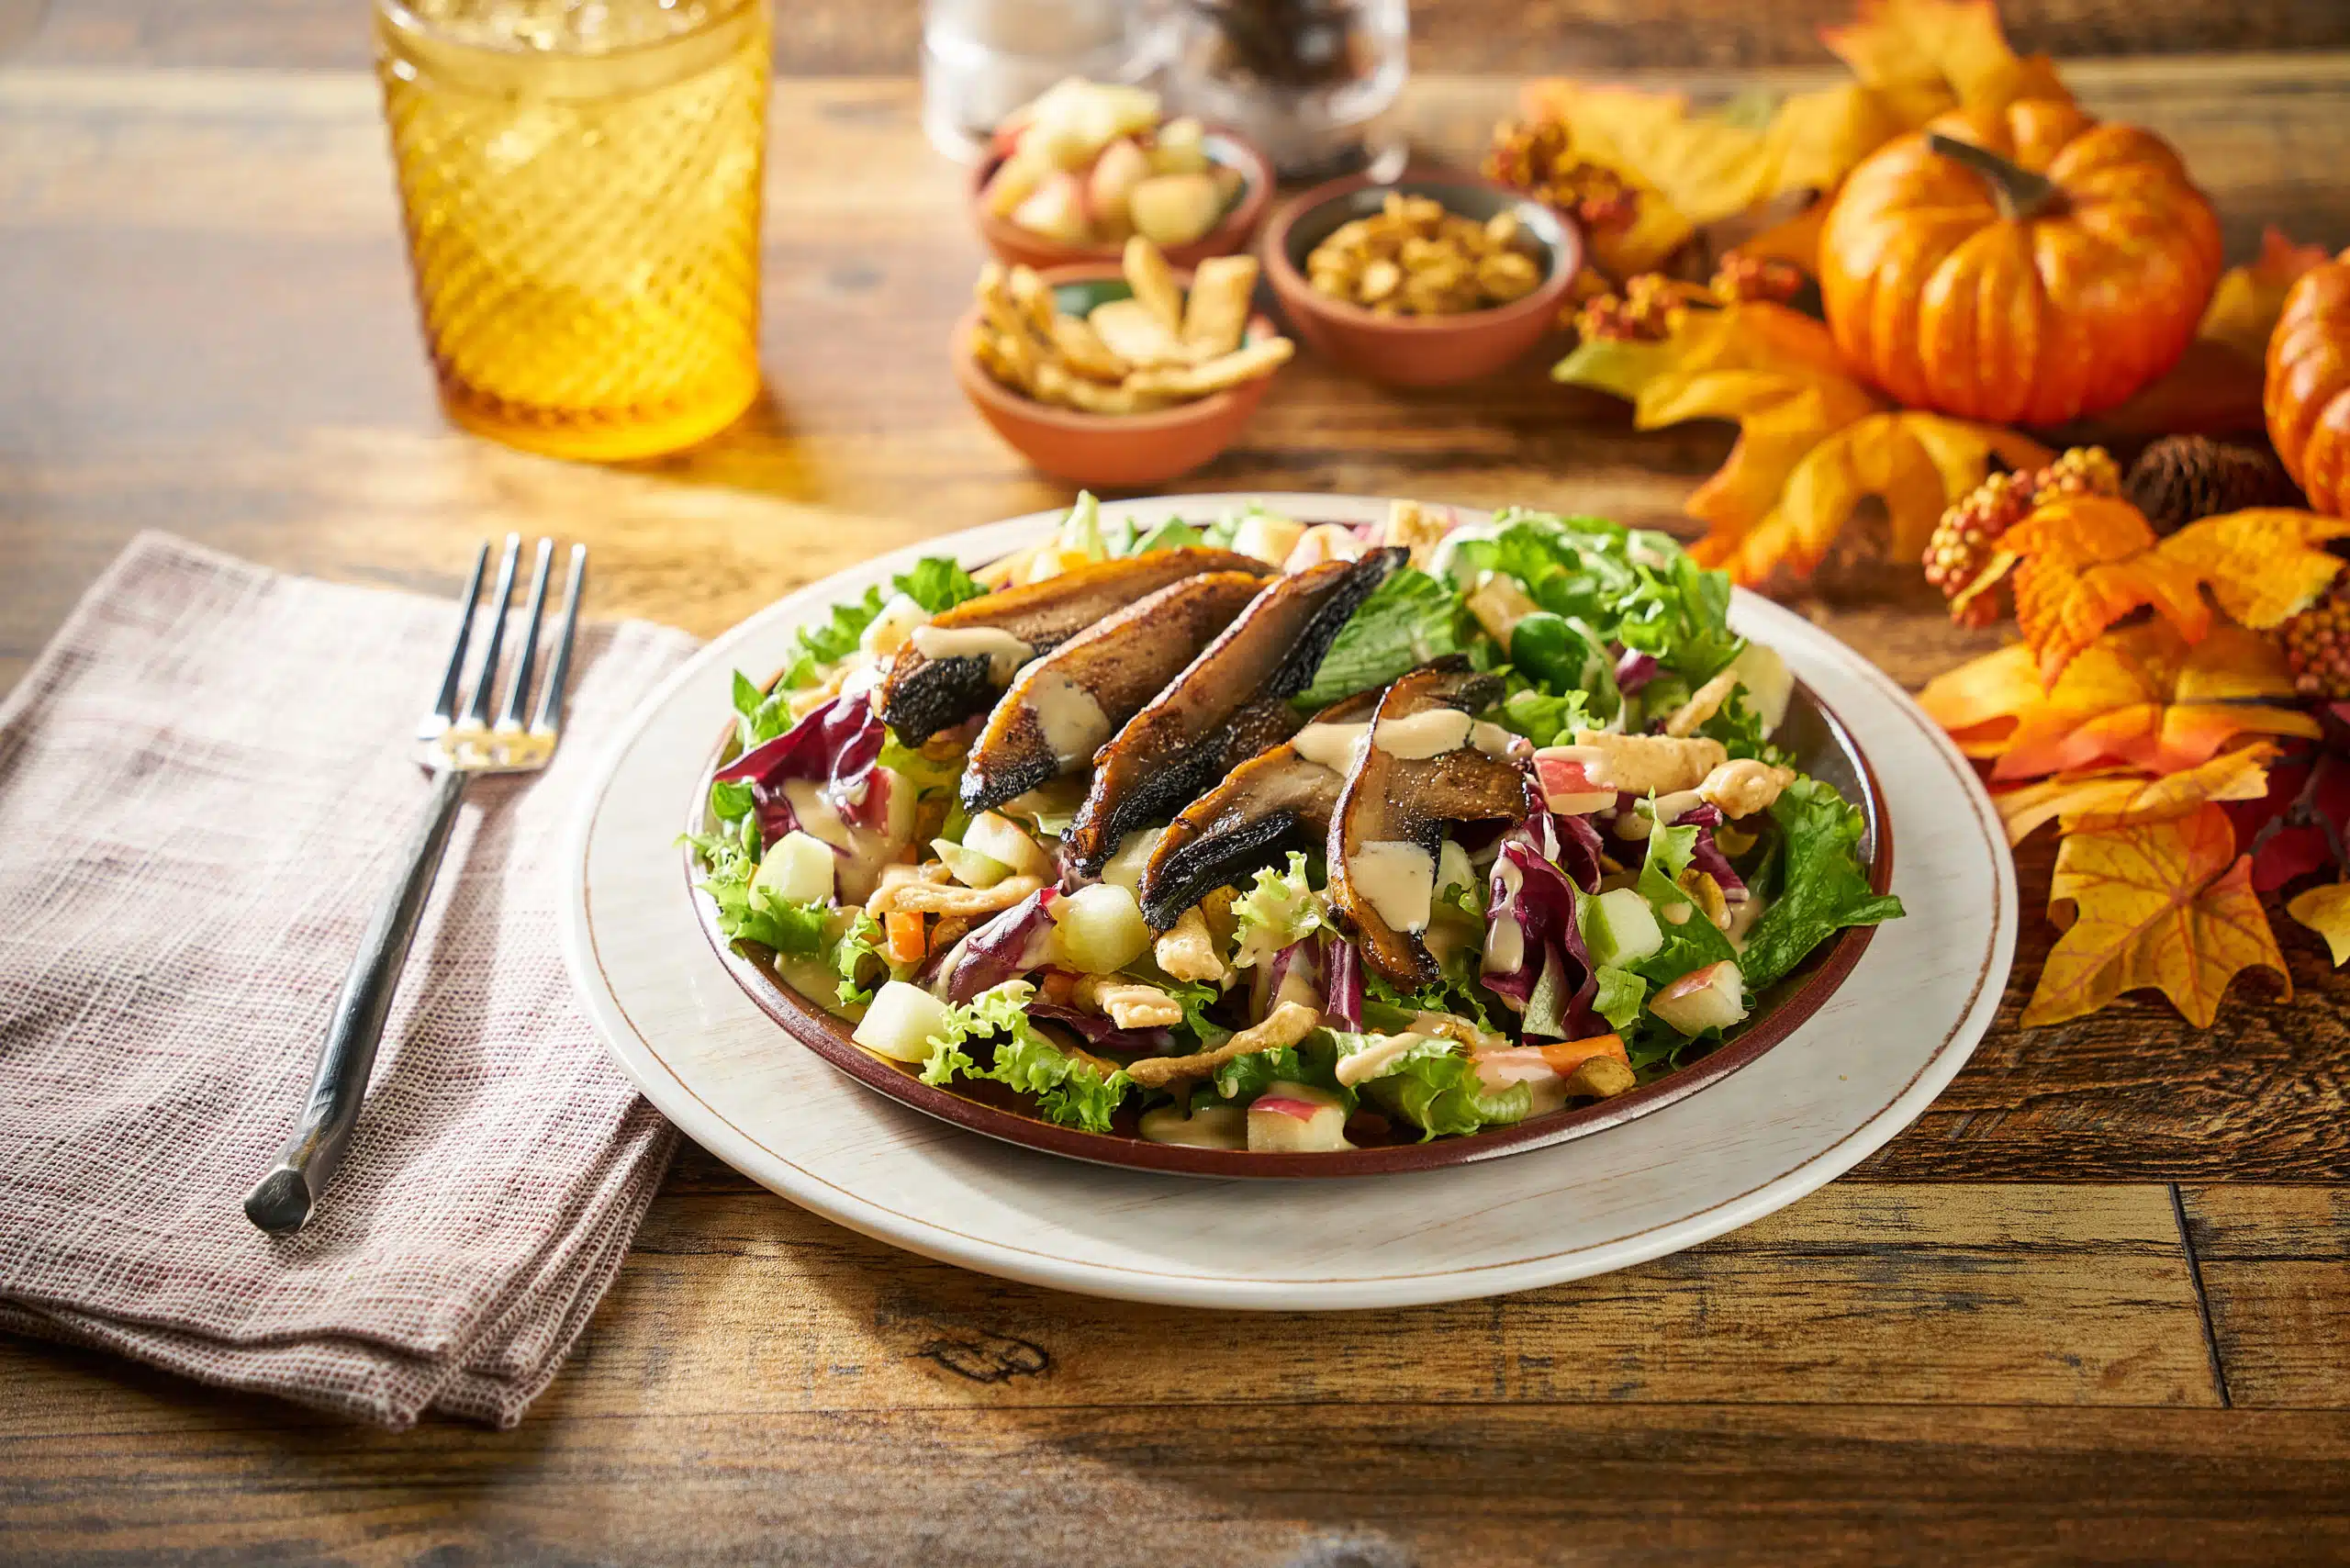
(580, 183)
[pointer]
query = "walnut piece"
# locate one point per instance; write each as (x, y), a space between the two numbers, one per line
(1188, 950)
(1744, 787)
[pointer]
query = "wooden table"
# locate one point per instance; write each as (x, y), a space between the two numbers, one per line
(2096, 1306)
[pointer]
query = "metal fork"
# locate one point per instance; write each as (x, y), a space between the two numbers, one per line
(454, 749)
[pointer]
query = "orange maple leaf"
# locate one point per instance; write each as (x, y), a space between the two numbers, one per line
(2083, 562)
(2245, 305)
(2094, 801)
(2164, 904)
(1813, 439)
(2140, 696)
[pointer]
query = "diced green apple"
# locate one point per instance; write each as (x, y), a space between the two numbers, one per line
(887, 631)
(1619, 928)
(1175, 209)
(1100, 929)
(1210, 1127)
(1296, 1118)
(1452, 867)
(1710, 998)
(796, 868)
(1181, 147)
(1268, 536)
(1768, 683)
(1000, 838)
(1124, 868)
(968, 867)
(899, 1022)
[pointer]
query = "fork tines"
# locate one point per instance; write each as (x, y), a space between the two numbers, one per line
(472, 741)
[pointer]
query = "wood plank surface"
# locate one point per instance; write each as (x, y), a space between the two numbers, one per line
(824, 37)
(2079, 1313)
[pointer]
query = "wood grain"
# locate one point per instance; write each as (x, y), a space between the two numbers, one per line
(2275, 1262)
(820, 37)
(1993, 1346)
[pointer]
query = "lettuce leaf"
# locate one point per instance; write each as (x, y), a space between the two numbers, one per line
(1408, 620)
(1069, 1091)
(1821, 888)
(1436, 1088)
(1693, 942)
(1620, 997)
(860, 941)
(1277, 909)
(1081, 529)
(827, 643)
(938, 583)
(1195, 997)
(1172, 534)
(1543, 717)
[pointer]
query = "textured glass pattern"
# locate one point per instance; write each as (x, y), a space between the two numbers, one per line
(586, 262)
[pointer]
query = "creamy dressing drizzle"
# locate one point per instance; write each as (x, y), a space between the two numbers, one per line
(1068, 718)
(1396, 879)
(1331, 746)
(1417, 736)
(861, 853)
(1504, 937)
(1004, 652)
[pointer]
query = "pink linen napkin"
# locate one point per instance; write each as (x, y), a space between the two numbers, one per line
(204, 784)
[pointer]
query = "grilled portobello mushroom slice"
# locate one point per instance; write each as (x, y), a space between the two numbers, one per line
(1428, 762)
(1228, 704)
(1063, 706)
(957, 665)
(1277, 800)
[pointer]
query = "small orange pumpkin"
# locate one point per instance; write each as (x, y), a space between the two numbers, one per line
(2024, 265)
(2307, 397)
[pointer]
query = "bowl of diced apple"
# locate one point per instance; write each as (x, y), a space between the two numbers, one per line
(1073, 175)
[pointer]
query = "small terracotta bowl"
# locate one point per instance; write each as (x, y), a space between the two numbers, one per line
(1016, 246)
(1418, 350)
(1106, 451)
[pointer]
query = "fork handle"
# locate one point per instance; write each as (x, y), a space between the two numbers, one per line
(281, 1203)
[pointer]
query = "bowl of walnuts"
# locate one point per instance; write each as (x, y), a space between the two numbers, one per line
(1424, 281)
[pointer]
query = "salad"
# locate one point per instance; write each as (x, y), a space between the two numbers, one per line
(1267, 834)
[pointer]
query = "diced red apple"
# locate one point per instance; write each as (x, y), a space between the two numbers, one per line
(1710, 998)
(1122, 167)
(1175, 209)
(1297, 1118)
(1056, 210)
(1013, 181)
(1567, 785)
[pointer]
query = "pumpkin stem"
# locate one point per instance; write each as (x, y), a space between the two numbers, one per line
(2020, 193)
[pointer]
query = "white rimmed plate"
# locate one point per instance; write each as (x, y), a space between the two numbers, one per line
(1784, 1125)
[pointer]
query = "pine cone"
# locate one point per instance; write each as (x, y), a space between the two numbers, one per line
(2183, 477)
(2317, 647)
(1962, 544)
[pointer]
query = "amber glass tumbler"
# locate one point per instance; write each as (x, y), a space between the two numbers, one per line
(580, 183)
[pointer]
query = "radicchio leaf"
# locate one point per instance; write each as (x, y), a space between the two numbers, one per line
(1006, 947)
(1707, 856)
(1634, 669)
(1294, 975)
(1535, 958)
(835, 746)
(1101, 1034)
(1342, 973)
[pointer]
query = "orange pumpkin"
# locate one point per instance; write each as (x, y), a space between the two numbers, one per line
(2025, 266)
(2307, 397)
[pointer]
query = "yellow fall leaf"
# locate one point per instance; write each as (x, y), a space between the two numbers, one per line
(2094, 801)
(1929, 54)
(2245, 305)
(2165, 904)
(2326, 911)
(2140, 694)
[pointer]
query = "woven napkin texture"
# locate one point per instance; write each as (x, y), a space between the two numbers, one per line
(205, 783)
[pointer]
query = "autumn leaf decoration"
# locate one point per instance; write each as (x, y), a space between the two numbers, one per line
(2162, 746)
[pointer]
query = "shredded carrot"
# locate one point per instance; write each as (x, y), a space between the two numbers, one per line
(906, 940)
(1566, 1056)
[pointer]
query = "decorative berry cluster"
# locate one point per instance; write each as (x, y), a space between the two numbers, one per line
(1538, 158)
(1741, 279)
(1964, 539)
(2317, 647)
(1642, 313)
